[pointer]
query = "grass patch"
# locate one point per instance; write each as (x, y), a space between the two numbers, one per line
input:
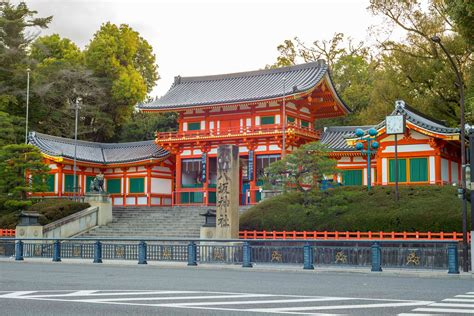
(421, 208)
(50, 210)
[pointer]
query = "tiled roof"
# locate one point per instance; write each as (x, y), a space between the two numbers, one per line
(104, 153)
(240, 87)
(420, 119)
(335, 137)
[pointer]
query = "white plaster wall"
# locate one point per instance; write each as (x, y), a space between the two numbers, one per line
(305, 110)
(249, 122)
(141, 169)
(160, 168)
(358, 159)
(162, 186)
(197, 152)
(352, 165)
(155, 200)
(185, 126)
(344, 159)
(142, 200)
(203, 124)
(273, 147)
(52, 166)
(384, 171)
(454, 172)
(277, 119)
(432, 169)
(186, 152)
(408, 148)
(56, 183)
(211, 124)
(444, 170)
(243, 149)
(261, 148)
(118, 201)
(257, 120)
(364, 176)
(213, 151)
(130, 201)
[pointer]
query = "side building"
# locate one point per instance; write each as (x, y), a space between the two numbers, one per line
(428, 152)
(136, 174)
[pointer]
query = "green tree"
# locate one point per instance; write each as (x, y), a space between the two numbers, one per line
(462, 13)
(415, 68)
(350, 65)
(120, 55)
(51, 49)
(143, 126)
(11, 129)
(15, 161)
(15, 38)
(302, 167)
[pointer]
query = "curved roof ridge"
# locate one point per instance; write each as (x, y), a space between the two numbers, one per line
(253, 73)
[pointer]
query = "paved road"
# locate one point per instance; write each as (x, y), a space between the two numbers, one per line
(32, 288)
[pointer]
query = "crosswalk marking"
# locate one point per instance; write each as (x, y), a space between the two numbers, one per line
(459, 304)
(249, 302)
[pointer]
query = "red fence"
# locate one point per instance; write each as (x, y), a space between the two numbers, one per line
(253, 234)
(7, 233)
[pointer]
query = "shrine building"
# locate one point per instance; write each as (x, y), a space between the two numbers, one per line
(252, 110)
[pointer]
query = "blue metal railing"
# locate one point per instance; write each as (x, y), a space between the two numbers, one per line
(376, 254)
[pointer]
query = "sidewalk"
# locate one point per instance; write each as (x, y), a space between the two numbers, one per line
(409, 272)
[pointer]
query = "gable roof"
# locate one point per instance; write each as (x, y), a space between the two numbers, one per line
(335, 137)
(103, 153)
(241, 87)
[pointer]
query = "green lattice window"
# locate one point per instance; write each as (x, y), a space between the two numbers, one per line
(352, 177)
(194, 126)
(114, 186)
(267, 120)
(137, 185)
(402, 170)
(418, 169)
(69, 183)
(191, 197)
(290, 119)
(304, 123)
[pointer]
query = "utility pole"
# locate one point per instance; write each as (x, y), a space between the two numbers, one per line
(76, 108)
(27, 102)
(283, 119)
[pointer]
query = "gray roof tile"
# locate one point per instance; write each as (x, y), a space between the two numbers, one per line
(104, 153)
(240, 87)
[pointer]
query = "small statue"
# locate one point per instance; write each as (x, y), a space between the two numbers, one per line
(97, 185)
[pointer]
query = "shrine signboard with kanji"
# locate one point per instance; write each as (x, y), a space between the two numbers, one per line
(227, 192)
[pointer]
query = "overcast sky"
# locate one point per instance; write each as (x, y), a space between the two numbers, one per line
(193, 38)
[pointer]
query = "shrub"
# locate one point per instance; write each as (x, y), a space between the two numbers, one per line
(421, 208)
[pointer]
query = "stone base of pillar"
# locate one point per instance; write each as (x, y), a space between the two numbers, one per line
(104, 203)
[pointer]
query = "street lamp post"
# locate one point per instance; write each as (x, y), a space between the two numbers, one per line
(27, 102)
(460, 85)
(372, 146)
(76, 108)
(283, 119)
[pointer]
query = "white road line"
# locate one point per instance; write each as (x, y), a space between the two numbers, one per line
(453, 305)
(466, 296)
(326, 299)
(470, 293)
(308, 308)
(467, 300)
(173, 298)
(113, 294)
(444, 310)
(414, 314)
(17, 294)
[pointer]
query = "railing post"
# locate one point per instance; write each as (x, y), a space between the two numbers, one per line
(246, 255)
(192, 254)
(376, 258)
(308, 257)
(97, 252)
(57, 251)
(453, 259)
(142, 252)
(19, 250)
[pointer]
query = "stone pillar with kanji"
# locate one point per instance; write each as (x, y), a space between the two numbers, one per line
(227, 204)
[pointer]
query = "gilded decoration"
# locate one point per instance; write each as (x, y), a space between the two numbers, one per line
(120, 251)
(276, 256)
(413, 258)
(218, 254)
(166, 253)
(341, 257)
(76, 250)
(37, 250)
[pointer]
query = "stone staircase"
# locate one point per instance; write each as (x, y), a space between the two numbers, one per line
(157, 222)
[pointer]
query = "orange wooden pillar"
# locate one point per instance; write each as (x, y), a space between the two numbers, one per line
(124, 187)
(60, 179)
(438, 179)
(148, 184)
